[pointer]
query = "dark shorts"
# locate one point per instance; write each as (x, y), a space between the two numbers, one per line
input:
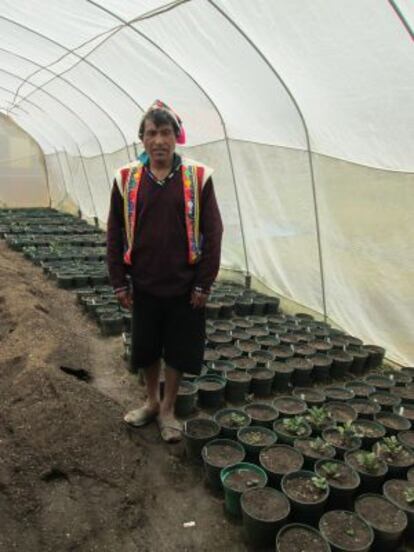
(168, 328)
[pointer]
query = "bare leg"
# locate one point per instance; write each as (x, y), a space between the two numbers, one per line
(152, 380)
(151, 408)
(172, 383)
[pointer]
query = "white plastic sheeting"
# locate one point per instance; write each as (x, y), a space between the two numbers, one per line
(305, 108)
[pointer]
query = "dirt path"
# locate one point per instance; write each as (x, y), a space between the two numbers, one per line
(72, 477)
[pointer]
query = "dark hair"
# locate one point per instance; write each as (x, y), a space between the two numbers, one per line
(158, 117)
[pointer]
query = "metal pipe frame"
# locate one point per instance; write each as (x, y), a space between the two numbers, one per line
(307, 136)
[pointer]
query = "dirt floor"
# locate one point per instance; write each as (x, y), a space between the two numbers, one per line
(72, 476)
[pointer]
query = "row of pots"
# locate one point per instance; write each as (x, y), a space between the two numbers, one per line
(216, 452)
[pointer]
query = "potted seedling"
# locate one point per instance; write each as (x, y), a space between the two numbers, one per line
(372, 470)
(319, 419)
(231, 420)
(398, 457)
(393, 423)
(401, 493)
(369, 431)
(314, 449)
(342, 479)
(346, 531)
(289, 429)
(308, 494)
(342, 437)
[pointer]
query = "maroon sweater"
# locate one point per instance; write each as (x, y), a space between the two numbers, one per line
(160, 252)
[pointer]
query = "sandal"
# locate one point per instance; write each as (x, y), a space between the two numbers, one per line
(140, 416)
(170, 429)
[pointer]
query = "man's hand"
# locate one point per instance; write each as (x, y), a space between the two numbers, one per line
(198, 299)
(125, 299)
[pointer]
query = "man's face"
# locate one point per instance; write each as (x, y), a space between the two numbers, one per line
(159, 141)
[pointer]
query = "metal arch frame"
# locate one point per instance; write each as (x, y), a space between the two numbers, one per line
(77, 117)
(81, 58)
(31, 102)
(70, 84)
(109, 32)
(307, 136)
(211, 101)
(402, 18)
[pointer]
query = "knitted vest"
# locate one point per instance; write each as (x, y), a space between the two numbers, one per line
(194, 176)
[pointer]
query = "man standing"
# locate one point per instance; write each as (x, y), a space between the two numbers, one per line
(164, 230)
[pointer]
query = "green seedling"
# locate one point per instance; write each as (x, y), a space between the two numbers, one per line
(320, 483)
(391, 445)
(318, 416)
(331, 470)
(235, 419)
(253, 437)
(319, 444)
(350, 532)
(368, 460)
(295, 425)
(409, 495)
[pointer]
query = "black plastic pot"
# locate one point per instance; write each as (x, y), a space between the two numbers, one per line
(380, 382)
(218, 454)
(308, 538)
(333, 437)
(304, 511)
(342, 524)
(369, 432)
(254, 439)
(282, 353)
(210, 391)
(283, 373)
(230, 421)
(405, 410)
(394, 490)
(370, 507)
(341, 363)
(387, 401)
(302, 371)
(262, 381)
(343, 486)
(262, 357)
(312, 397)
(360, 356)
(406, 438)
(261, 414)
(393, 423)
(219, 367)
(111, 324)
(289, 406)
(370, 482)
(197, 433)
(237, 386)
(376, 356)
(248, 476)
(336, 393)
(186, 398)
(365, 408)
(278, 460)
(322, 365)
(264, 512)
(360, 388)
(341, 412)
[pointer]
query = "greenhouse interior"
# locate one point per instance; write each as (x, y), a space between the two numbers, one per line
(287, 379)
